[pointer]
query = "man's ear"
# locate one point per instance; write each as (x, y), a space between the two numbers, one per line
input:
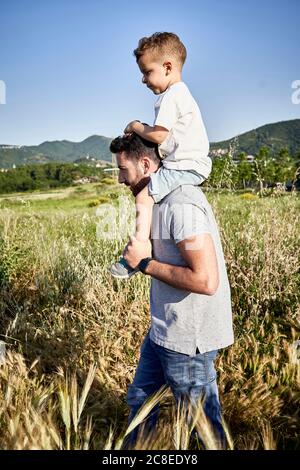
(146, 164)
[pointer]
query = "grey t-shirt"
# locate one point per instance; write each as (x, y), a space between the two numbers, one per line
(181, 320)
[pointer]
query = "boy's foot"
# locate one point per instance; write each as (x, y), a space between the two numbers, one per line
(121, 270)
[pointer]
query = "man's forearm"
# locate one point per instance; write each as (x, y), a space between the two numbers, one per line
(181, 277)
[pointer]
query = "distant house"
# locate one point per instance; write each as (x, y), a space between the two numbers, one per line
(83, 180)
(249, 159)
(11, 146)
(218, 152)
(86, 179)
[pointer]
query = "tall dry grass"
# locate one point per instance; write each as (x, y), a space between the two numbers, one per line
(73, 334)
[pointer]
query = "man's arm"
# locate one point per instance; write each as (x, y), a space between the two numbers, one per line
(156, 134)
(199, 276)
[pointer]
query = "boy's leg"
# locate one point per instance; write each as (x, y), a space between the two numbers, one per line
(165, 181)
(144, 207)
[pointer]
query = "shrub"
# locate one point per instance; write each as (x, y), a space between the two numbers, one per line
(108, 181)
(248, 196)
(99, 200)
(80, 189)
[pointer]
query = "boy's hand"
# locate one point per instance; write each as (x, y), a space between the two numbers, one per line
(131, 127)
(137, 250)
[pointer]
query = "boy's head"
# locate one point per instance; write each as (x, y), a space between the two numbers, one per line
(160, 58)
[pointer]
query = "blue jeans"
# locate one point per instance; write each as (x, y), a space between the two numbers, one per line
(164, 181)
(189, 377)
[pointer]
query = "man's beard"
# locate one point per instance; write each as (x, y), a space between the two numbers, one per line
(140, 185)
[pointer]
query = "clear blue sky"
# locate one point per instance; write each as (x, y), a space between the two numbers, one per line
(70, 73)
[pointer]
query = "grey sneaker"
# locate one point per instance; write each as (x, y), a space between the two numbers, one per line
(121, 270)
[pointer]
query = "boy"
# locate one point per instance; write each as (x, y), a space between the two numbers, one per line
(178, 130)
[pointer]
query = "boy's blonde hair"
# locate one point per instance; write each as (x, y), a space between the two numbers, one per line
(162, 44)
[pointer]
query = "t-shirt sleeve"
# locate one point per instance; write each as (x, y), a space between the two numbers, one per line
(167, 113)
(187, 220)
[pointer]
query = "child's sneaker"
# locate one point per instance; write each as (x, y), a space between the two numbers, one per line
(121, 270)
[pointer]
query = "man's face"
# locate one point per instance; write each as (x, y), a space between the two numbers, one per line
(131, 171)
(154, 72)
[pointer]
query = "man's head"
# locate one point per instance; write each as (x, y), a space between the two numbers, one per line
(160, 58)
(136, 158)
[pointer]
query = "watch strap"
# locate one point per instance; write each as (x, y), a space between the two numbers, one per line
(144, 263)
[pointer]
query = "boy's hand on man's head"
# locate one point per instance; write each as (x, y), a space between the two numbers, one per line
(131, 127)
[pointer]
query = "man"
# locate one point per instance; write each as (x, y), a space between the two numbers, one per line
(190, 304)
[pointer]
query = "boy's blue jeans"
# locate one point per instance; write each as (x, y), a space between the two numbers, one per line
(189, 377)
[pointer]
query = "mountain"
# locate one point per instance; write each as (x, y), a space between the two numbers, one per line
(274, 136)
(95, 146)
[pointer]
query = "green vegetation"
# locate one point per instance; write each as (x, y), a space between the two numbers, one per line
(285, 134)
(47, 176)
(99, 200)
(71, 199)
(239, 173)
(264, 171)
(275, 137)
(73, 334)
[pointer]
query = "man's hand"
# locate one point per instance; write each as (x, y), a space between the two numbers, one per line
(136, 250)
(131, 127)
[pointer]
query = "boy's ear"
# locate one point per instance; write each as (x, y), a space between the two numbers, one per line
(168, 66)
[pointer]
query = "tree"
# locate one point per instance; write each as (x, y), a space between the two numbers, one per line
(263, 168)
(224, 173)
(244, 171)
(285, 168)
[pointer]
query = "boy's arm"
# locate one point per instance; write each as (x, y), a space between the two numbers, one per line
(156, 134)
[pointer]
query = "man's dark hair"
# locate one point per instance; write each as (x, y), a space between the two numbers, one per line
(135, 147)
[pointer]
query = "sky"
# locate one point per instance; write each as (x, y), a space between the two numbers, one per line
(67, 69)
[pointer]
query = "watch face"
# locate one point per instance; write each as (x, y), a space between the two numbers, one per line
(144, 263)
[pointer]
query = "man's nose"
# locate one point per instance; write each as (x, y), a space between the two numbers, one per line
(143, 79)
(120, 178)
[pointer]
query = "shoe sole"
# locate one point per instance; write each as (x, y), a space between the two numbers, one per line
(122, 276)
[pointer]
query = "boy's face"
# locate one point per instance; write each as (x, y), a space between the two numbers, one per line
(156, 73)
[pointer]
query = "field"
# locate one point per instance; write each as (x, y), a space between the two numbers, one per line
(72, 334)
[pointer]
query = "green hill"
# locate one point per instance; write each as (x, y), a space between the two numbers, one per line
(274, 136)
(62, 151)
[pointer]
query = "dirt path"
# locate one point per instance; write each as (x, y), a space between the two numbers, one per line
(38, 196)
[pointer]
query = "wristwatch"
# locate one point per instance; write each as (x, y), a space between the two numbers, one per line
(144, 263)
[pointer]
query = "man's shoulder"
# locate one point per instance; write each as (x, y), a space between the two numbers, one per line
(185, 194)
(180, 215)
